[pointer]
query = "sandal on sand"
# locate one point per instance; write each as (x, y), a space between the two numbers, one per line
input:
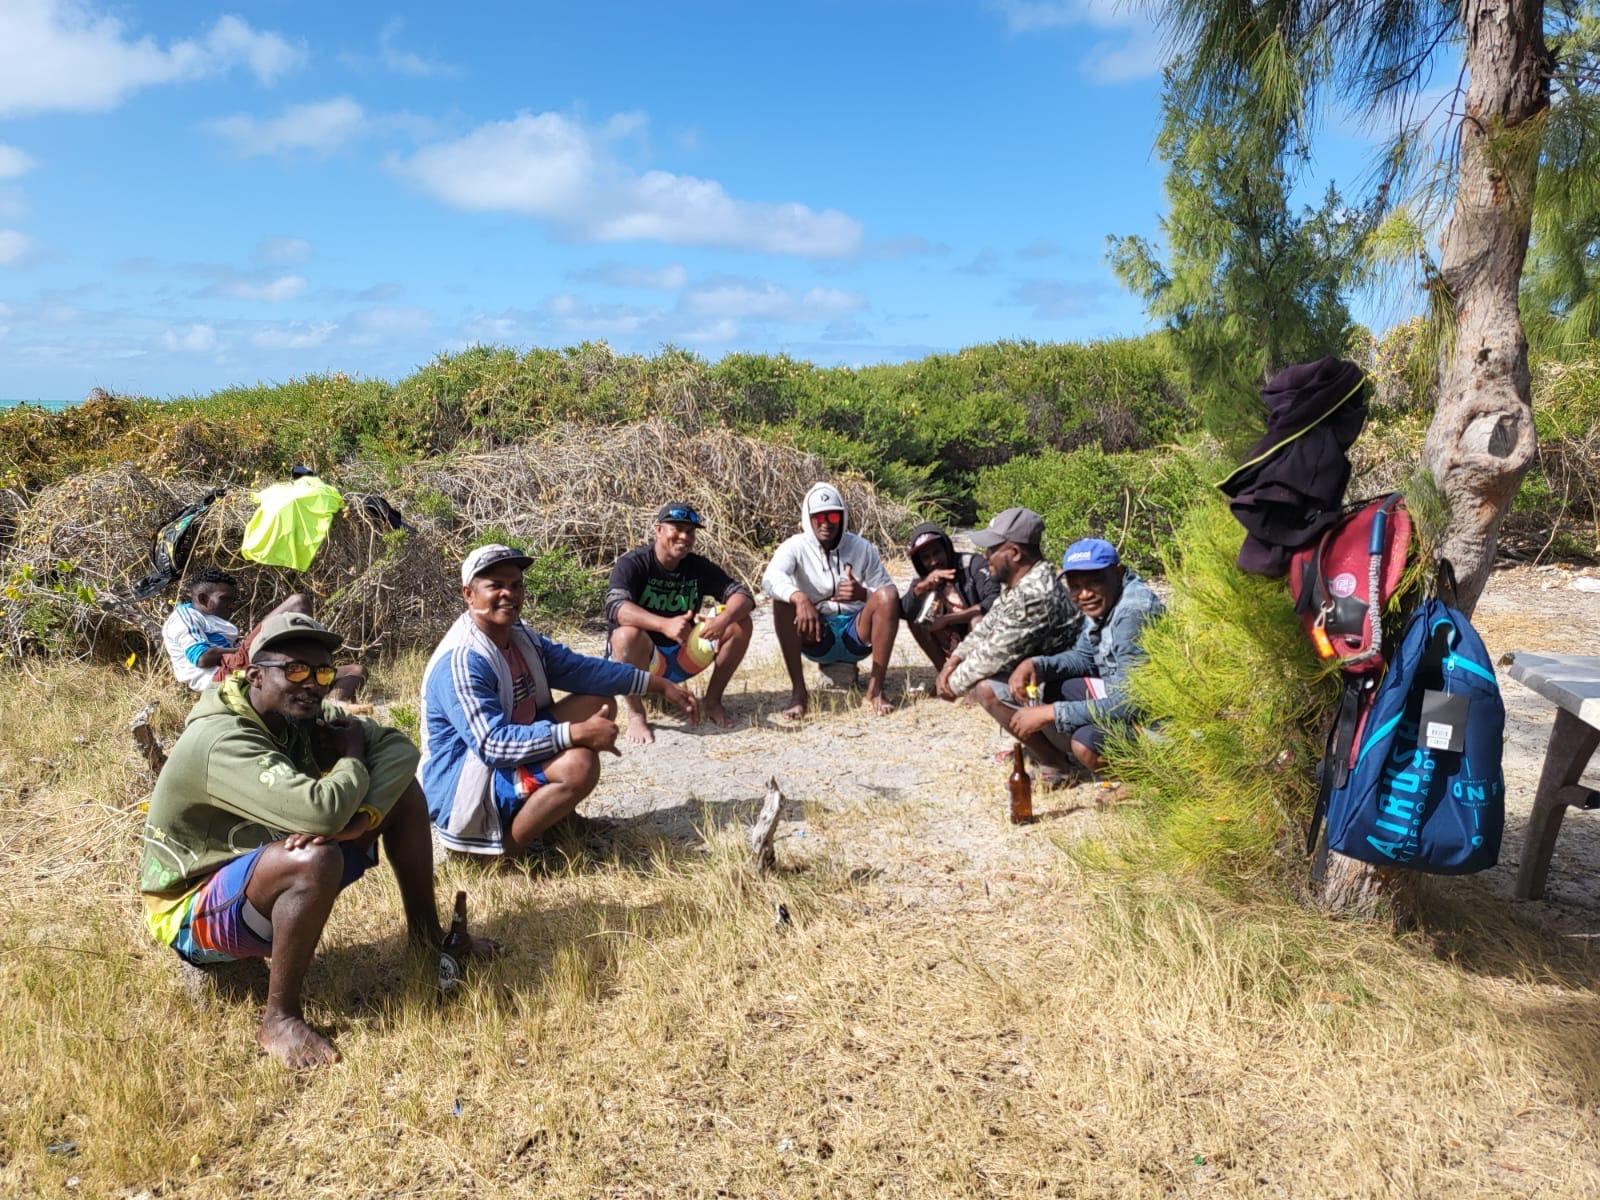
(1051, 779)
(1108, 792)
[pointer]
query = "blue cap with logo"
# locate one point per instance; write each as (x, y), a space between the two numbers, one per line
(1089, 554)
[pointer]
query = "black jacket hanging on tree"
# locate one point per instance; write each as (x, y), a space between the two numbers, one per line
(1291, 484)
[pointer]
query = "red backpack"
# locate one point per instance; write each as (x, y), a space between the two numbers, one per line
(1341, 584)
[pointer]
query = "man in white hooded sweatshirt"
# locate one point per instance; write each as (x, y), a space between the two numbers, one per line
(832, 599)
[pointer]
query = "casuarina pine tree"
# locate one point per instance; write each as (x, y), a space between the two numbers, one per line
(1248, 287)
(1482, 161)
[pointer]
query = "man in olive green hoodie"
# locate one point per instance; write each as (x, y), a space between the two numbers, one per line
(268, 807)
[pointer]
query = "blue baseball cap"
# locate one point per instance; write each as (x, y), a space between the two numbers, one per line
(1089, 554)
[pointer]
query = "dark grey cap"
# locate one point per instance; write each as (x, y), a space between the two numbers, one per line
(1020, 525)
(484, 557)
(294, 627)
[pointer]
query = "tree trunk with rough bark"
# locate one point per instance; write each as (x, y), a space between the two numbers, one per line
(1481, 440)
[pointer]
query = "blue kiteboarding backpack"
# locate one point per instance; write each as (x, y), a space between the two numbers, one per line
(1423, 788)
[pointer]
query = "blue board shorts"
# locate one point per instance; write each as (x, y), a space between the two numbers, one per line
(665, 662)
(839, 642)
(514, 787)
(217, 928)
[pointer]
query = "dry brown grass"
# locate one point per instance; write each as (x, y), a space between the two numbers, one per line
(650, 1033)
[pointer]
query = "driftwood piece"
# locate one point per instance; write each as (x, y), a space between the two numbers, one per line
(144, 737)
(762, 855)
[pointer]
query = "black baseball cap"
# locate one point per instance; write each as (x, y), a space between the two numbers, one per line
(680, 512)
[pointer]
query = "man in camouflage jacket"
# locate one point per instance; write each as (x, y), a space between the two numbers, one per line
(1033, 616)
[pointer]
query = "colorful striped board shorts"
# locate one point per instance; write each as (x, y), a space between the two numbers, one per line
(222, 925)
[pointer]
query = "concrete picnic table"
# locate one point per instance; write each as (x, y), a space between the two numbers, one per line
(1572, 683)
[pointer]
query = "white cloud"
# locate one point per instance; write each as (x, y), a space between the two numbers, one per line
(296, 335)
(14, 247)
(282, 251)
(555, 169)
(1133, 51)
(373, 325)
(669, 278)
(196, 339)
(578, 316)
(763, 300)
(407, 62)
(724, 329)
(392, 57)
(911, 245)
(984, 262)
(846, 330)
(1055, 300)
(66, 56)
(268, 56)
(14, 162)
(486, 328)
(269, 291)
(320, 127)
(1039, 248)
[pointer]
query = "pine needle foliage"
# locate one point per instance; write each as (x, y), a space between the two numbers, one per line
(1248, 286)
(1234, 701)
(1561, 287)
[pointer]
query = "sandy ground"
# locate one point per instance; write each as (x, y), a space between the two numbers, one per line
(931, 797)
(923, 781)
(1539, 609)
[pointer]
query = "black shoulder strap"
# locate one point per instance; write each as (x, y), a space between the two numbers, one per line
(1334, 769)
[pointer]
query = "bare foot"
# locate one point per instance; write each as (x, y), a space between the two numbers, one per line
(294, 1043)
(878, 703)
(797, 705)
(639, 731)
(716, 713)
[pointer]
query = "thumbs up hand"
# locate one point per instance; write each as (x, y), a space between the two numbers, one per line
(849, 590)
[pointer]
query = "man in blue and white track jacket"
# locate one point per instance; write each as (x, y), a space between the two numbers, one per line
(502, 759)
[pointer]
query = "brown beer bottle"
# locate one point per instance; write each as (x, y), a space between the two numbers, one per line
(452, 951)
(1021, 788)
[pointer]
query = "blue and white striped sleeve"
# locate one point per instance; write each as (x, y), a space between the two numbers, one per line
(579, 673)
(488, 727)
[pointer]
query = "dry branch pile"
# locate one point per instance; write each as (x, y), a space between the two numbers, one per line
(595, 491)
(83, 542)
(80, 544)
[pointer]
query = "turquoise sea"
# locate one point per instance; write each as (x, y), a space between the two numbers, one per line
(52, 404)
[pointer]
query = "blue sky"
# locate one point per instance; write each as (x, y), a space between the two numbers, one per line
(193, 196)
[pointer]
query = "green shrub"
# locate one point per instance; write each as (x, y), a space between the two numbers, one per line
(1235, 698)
(1133, 500)
(561, 590)
(922, 431)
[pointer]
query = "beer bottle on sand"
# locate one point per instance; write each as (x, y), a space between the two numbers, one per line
(1020, 788)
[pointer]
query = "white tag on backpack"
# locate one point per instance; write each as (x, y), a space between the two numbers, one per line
(1444, 721)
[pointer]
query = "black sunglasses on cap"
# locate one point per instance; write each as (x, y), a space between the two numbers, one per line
(299, 672)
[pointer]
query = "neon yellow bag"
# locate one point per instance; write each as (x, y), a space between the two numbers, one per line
(293, 518)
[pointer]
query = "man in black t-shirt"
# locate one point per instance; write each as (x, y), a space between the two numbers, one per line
(653, 608)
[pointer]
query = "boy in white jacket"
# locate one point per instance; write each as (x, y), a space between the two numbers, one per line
(832, 600)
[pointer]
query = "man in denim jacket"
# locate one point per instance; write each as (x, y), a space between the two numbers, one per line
(1083, 691)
